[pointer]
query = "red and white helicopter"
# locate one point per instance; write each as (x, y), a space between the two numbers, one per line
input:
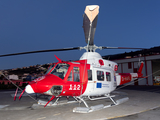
(90, 76)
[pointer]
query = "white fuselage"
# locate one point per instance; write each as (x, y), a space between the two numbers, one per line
(103, 79)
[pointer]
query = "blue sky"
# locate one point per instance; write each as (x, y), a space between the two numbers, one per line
(28, 25)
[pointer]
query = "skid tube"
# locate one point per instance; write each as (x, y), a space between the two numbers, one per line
(50, 103)
(88, 109)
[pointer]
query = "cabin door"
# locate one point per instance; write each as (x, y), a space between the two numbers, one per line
(102, 81)
(73, 81)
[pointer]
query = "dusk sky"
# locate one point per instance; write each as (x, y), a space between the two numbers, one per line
(29, 25)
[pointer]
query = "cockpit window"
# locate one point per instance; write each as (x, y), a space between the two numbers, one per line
(50, 68)
(60, 70)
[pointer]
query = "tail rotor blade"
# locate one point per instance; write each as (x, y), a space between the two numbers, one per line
(90, 22)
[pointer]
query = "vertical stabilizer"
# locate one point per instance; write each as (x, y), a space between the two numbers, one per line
(140, 70)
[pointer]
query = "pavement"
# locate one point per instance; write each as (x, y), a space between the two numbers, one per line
(143, 104)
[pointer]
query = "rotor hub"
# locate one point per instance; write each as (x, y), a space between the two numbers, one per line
(91, 48)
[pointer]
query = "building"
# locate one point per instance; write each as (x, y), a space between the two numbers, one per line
(129, 63)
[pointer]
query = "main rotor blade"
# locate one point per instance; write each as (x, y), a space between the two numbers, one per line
(40, 51)
(121, 48)
(90, 22)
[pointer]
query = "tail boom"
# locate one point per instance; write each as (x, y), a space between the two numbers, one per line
(123, 78)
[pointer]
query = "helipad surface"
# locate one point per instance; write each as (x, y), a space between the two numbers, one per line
(139, 101)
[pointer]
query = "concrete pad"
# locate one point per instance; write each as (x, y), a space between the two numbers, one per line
(3, 106)
(139, 101)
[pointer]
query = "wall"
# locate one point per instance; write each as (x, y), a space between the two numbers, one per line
(148, 69)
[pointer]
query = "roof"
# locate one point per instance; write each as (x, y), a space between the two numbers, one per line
(144, 52)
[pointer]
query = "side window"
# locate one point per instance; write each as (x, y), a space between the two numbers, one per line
(108, 76)
(76, 74)
(100, 75)
(70, 77)
(89, 75)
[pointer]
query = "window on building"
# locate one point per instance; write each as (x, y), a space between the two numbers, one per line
(129, 65)
(135, 70)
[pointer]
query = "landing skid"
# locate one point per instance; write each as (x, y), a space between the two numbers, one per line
(56, 103)
(41, 102)
(88, 109)
(79, 99)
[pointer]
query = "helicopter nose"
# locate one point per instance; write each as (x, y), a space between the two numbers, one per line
(29, 89)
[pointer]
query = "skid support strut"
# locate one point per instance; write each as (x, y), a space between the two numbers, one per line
(110, 97)
(81, 99)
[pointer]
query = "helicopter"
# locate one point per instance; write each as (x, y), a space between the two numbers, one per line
(87, 77)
